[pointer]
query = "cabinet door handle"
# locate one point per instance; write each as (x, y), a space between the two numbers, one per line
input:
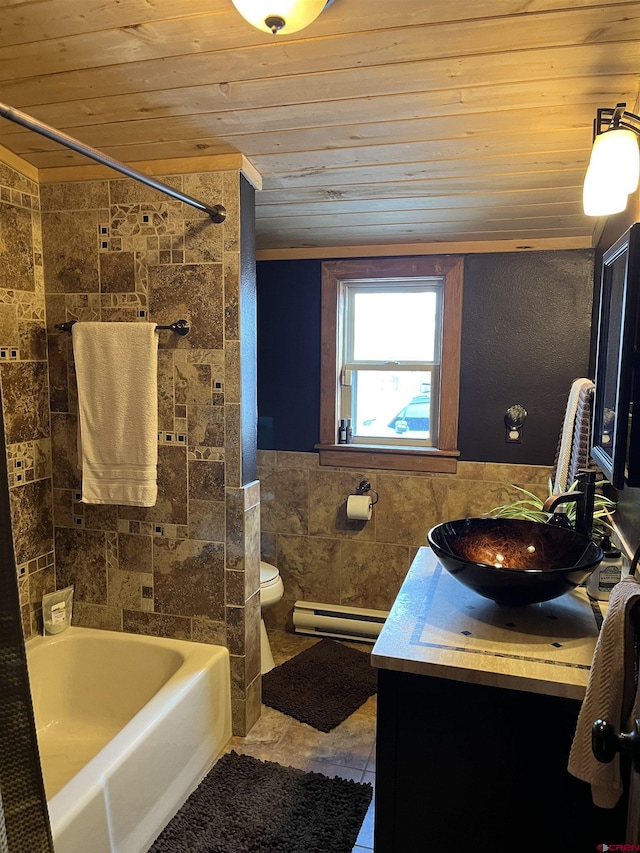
(605, 742)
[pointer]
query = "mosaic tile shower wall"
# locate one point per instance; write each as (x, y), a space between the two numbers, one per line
(323, 556)
(23, 375)
(119, 251)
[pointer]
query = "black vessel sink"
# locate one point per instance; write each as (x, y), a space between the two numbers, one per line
(513, 561)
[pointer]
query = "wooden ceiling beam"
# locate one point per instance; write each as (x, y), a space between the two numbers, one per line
(435, 188)
(543, 144)
(550, 215)
(555, 121)
(408, 40)
(406, 234)
(56, 19)
(563, 198)
(499, 99)
(278, 62)
(436, 81)
(434, 247)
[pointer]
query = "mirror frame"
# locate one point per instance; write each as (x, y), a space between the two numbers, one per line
(616, 449)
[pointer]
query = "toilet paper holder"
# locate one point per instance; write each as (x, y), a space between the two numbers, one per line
(364, 487)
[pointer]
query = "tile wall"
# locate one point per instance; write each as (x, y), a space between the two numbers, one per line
(25, 392)
(23, 379)
(323, 556)
(117, 250)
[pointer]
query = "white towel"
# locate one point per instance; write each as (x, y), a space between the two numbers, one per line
(117, 370)
(610, 688)
(566, 443)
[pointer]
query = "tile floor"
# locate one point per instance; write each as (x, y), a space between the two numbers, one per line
(347, 751)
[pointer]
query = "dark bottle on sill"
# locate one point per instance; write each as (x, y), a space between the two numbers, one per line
(349, 438)
(342, 431)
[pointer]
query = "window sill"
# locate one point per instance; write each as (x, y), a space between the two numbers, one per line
(379, 456)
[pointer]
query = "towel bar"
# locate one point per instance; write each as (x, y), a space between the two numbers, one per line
(180, 327)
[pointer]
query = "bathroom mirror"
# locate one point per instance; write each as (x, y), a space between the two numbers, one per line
(616, 438)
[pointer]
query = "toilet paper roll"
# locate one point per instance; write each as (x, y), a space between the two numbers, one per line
(359, 507)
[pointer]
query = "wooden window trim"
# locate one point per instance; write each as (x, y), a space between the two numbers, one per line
(441, 459)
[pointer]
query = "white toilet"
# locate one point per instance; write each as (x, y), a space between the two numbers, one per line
(271, 591)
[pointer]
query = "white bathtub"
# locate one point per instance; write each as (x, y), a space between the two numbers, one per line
(127, 727)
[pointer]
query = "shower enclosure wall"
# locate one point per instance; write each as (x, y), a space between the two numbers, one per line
(116, 250)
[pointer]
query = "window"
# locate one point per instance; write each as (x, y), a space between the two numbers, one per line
(391, 360)
(390, 335)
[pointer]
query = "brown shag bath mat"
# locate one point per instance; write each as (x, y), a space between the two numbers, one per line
(250, 806)
(321, 686)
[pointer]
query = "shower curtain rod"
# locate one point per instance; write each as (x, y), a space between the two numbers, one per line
(217, 212)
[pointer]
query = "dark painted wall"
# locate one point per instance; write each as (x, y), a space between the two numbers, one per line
(525, 338)
(526, 328)
(289, 299)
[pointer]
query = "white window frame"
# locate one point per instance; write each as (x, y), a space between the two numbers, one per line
(348, 364)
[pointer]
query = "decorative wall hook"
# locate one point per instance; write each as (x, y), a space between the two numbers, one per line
(365, 486)
(514, 419)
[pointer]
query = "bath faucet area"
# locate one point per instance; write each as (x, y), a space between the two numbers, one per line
(584, 501)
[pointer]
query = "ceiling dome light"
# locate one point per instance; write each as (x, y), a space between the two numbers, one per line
(280, 16)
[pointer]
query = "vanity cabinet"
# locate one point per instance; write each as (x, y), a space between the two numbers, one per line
(477, 707)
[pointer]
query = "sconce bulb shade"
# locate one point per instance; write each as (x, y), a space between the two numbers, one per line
(615, 159)
(601, 197)
(296, 14)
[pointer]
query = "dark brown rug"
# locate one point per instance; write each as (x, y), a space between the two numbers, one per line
(250, 806)
(321, 686)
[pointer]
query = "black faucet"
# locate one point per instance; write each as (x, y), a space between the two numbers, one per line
(584, 501)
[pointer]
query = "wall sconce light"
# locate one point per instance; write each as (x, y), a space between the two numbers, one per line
(514, 419)
(614, 166)
(280, 16)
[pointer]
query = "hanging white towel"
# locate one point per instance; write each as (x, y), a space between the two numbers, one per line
(582, 432)
(610, 688)
(116, 370)
(566, 442)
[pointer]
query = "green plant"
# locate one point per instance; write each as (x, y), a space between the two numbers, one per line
(530, 508)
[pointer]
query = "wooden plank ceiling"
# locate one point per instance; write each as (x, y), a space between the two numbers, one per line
(399, 122)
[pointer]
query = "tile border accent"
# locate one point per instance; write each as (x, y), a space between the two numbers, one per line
(426, 603)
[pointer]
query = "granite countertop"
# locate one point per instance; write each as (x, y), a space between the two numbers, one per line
(439, 627)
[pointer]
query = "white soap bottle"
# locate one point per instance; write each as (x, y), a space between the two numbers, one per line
(606, 576)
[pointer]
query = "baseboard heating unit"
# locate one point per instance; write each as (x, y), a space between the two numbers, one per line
(334, 620)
